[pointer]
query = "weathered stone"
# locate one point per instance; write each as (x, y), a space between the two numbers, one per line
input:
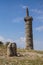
(28, 28)
(9, 50)
(12, 49)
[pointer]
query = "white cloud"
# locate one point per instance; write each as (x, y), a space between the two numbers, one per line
(5, 40)
(38, 14)
(24, 6)
(9, 40)
(21, 42)
(38, 44)
(22, 39)
(19, 19)
(37, 11)
(39, 28)
(39, 18)
(2, 38)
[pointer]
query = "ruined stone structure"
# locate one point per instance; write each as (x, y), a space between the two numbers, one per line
(9, 50)
(12, 49)
(28, 27)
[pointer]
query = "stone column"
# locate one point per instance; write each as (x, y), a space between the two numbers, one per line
(28, 28)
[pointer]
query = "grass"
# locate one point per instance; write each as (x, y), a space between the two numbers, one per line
(37, 51)
(22, 60)
(15, 61)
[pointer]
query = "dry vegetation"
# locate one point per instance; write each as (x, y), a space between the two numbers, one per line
(30, 57)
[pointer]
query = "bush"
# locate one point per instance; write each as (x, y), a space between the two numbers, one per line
(1, 43)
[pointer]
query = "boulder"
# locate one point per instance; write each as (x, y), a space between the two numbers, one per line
(12, 49)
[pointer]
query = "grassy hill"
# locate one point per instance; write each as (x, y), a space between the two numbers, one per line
(25, 57)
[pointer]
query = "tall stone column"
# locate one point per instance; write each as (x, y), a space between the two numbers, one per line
(28, 32)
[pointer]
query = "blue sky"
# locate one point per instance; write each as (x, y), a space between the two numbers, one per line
(12, 25)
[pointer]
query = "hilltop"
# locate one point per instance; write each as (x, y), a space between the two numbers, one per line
(25, 57)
